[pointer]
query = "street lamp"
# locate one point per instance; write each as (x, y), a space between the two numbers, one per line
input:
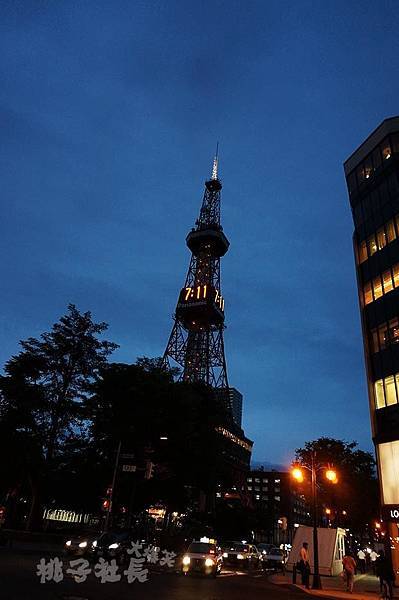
(331, 476)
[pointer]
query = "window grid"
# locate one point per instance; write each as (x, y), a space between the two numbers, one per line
(373, 290)
(378, 240)
(386, 391)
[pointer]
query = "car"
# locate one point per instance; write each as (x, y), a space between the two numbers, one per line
(112, 545)
(264, 548)
(78, 545)
(202, 557)
(274, 559)
(240, 554)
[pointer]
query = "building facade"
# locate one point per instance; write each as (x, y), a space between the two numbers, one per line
(278, 503)
(236, 405)
(372, 176)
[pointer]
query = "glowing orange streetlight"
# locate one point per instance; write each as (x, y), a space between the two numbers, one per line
(297, 474)
(331, 475)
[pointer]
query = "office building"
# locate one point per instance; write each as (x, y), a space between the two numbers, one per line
(372, 176)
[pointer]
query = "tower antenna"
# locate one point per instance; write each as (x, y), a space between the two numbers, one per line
(215, 163)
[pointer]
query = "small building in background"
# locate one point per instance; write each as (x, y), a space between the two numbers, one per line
(279, 506)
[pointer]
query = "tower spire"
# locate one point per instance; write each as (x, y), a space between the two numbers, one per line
(215, 163)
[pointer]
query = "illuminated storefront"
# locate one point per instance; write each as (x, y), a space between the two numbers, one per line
(372, 176)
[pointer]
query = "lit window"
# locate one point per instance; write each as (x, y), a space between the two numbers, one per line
(371, 245)
(381, 241)
(395, 270)
(377, 287)
(368, 294)
(362, 252)
(386, 151)
(257, 480)
(249, 479)
(277, 498)
(277, 480)
(379, 394)
(265, 480)
(390, 229)
(390, 391)
(249, 487)
(387, 281)
(257, 497)
(388, 455)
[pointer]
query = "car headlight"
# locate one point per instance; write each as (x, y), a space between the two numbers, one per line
(94, 544)
(209, 562)
(225, 555)
(113, 546)
(82, 544)
(186, 560)
(68, 543)
(240, 556)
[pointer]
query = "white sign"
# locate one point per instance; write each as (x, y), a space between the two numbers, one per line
(129, 468)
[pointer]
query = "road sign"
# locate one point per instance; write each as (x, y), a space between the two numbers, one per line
(129, 468)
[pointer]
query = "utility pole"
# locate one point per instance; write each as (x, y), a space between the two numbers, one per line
(111, 497)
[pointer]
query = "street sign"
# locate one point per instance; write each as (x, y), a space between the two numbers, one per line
(129, 468)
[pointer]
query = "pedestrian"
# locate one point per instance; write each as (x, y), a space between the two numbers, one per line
(349, 565)
(362, 560)
(373, 558)
(304, 565)
(385, 572)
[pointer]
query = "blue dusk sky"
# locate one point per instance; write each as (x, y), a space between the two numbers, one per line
(110, 112)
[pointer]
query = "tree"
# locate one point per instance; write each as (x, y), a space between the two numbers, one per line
(139, 405)
(43, 394)
(357, 490)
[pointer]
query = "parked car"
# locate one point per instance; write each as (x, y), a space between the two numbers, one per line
(202, 557)
(274, 559)
(239, 554)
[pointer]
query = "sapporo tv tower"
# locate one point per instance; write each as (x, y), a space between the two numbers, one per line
(196, 342)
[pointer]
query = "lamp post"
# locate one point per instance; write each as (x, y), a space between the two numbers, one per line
(331, 476)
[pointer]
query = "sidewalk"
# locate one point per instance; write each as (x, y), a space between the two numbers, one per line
(366, 587)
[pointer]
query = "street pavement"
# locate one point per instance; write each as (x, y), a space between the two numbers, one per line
(19, 581)
(366, 587)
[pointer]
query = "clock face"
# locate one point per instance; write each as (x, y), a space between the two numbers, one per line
(203, 294)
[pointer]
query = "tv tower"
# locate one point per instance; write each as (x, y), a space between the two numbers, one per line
(196, 342)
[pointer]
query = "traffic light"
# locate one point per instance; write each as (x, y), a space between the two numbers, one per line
(149, 468)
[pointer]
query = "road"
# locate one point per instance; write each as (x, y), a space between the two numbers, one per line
(19, 581)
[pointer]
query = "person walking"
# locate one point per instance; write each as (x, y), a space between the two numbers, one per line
(385, 573)
(373, 558)
(304, 565)
(362, 560)
(349, 565)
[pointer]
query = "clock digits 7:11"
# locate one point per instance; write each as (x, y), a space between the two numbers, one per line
(200, 293)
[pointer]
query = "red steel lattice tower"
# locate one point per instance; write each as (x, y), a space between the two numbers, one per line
(196, 342)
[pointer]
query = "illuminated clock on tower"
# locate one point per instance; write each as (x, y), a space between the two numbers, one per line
(200, 303)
